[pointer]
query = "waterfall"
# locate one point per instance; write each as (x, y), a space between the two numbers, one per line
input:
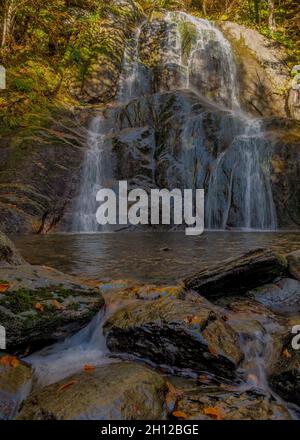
(94, 172)
(210, 65)
(129, 80)
(197, 57)
(241, 177)
(97, 168)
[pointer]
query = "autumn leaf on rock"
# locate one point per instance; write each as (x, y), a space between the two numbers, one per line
(67, 385)
(39, 307)
(286, 354)
(57, 305)
(9, 361)
(213, 412)
(4, 287)
(180, 415)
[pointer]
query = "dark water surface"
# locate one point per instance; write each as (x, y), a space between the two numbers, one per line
(146, 257)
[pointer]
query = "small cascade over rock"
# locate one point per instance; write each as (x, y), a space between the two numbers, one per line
(177, 123)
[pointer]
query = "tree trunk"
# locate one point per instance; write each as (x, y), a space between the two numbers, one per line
(7, 23)
(272, 22)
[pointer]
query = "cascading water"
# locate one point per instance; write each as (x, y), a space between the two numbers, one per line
(198, 58)
(95, 172)
(97, 166)
(62, 359)
(241, 177)
(209, 65)
(239, 193)
(129, 79)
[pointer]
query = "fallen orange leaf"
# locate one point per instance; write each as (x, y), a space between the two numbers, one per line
(57, 305)
(286, 354)
(89, 368)
(39, 307)
(67, 385)
(179, 415)
(4, 287)
(9, 361)
(213, 412)
(15, 362)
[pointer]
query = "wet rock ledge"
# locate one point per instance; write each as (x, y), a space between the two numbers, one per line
(40, 305)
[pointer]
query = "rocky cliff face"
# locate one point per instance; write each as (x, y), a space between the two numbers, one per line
(264, 76)
(38, 174)
(169, 123)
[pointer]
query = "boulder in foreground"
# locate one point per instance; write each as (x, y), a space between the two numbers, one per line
(119, 391)
(39, 305)
(238, 275)
(178, 333)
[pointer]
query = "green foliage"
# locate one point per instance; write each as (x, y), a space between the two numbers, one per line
(22, 84)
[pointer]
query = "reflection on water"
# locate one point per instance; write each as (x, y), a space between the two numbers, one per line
(146, 257)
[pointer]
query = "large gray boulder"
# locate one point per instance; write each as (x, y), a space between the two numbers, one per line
(119, 391)
(178, 333)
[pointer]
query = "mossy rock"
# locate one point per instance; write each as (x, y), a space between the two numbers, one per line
(41, 305)
(119, 391)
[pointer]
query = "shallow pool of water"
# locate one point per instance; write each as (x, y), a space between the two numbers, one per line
(146, 257)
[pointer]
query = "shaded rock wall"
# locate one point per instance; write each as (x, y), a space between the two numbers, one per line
(265, 79)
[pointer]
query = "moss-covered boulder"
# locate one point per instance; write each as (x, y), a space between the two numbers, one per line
(119, 391)
(15, 383)
(39, 305)
(178, 333)
(9, 255)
